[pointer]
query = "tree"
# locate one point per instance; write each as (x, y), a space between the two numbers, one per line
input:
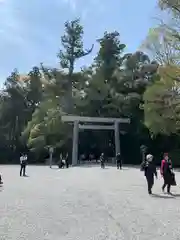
(45, 127)
(113, 86)
(99, 94)
(160, 44)
(20, 97)
(172, 21)
(34, 88)
(109, 57)
(162, 107)
(171, 5)
(13, 106)
(73, 50)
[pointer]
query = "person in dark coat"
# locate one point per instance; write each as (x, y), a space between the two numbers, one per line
(1, 182)
(67, 160)
(102, 160)
(119, 161)
(149, 172)
(167, 173)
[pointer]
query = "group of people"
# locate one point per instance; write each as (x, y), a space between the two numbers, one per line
(63, 161)
(118, 161)
(148, 166)
(166, 172)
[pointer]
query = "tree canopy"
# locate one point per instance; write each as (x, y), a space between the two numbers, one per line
(143, 86)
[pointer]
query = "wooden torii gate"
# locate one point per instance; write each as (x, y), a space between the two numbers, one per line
(82, 123)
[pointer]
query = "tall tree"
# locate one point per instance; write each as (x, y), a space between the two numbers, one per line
(99, 93)
(13, 109)
(172, 21)
(73, 50)
(109, 56)
(172, 5)
(20, 97)
(161, 46)
(45, 128)
(162, 106)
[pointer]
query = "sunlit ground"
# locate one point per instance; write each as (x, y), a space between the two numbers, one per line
(85, 203)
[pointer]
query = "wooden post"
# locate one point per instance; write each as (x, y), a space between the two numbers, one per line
(75, 143)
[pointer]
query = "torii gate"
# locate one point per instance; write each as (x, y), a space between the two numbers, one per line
(78, 123)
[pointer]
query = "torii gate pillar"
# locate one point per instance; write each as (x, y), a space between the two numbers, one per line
(117, 137)
(75, 143)
(77, 120)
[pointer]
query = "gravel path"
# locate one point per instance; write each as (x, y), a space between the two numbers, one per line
(85, 203)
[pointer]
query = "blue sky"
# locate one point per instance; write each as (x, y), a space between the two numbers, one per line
(30, 30)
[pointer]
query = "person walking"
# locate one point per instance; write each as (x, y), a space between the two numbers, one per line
(23, 163)
(1, 182)
(149, 171)
(119, 161)
(102, 160)
(67, 160)
(167, 173)
(60, 162)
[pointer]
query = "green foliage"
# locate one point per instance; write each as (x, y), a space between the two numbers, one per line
(162, 45)
(109, 56)
(72, 44)
(162, 107)
(72, 51)
(115, 85)
(171, 5)
(41, 131)
(19, 100)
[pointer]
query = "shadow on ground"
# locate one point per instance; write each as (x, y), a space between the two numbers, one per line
(91, 166)
(1, 188)
(165, 196)
(162, 196)
(176, 195)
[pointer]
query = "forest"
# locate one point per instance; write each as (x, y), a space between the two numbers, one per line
(142, 86)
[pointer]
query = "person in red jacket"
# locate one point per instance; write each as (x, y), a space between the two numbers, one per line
(167, 173)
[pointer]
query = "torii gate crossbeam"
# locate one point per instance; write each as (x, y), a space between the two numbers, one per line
(77, 122)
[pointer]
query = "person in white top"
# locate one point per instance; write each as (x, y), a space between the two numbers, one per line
(23, 163)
